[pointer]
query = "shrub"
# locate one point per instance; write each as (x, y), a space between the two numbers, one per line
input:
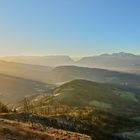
(3, 108)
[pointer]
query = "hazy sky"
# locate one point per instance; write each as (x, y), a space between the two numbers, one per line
(69, 27)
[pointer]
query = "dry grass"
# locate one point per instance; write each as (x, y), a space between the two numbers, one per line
(24, 131)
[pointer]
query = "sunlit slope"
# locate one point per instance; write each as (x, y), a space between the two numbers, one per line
(33, 72)
(13, 89)
(55, 60)
(106, 96)
(67, 73)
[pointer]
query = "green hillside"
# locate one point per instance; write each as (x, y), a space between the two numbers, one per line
(105, 110)
(106, 96)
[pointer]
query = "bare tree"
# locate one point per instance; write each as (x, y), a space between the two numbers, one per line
(26, 105)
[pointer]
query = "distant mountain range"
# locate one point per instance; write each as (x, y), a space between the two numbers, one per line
(125, 62)
(118, 61)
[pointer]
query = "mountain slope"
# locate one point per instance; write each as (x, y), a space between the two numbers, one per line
(96, 109)
(125, 62)
(87, 93)
(40, 60)
(33, 72)
(67, 73)
(118, 61)
(13, 89)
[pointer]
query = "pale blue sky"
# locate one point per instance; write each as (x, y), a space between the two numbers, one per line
(69, 27)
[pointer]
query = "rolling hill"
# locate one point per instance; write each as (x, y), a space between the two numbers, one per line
(87, 93)
(27, 71)
(99, 110)
(62, 74)
(84, 93)
(68, 73)
(14, 89)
